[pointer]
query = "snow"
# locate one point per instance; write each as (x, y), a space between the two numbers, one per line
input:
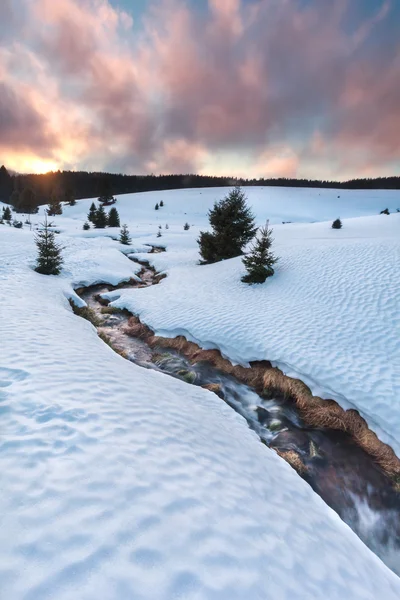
(119, 482)
(329, 316)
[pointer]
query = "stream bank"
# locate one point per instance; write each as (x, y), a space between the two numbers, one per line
(312, 434)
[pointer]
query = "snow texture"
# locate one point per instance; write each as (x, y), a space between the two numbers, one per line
(118, 482)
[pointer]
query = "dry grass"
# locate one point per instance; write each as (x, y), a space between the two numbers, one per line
(109, 343)
(215, 388)
(293, 459)
(112, 310)
(137, 329)
(86, 313)
(269, 382)
(315, 411)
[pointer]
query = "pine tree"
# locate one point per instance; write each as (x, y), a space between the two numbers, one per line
(232, 224)
(55, 206)
(161, 203)
(26, 201)
(186, 227)
(86, 226)
(92, 213)
(101, 218)
(7, 216)
(70, 197)
(260, 260)
(113, 218)
(156, 207)
(124, 236)
(106, 197)
(49, 260)
(337, 224)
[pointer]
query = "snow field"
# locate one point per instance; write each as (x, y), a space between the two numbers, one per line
(120, 482)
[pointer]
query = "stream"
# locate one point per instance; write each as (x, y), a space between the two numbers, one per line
(340, 472)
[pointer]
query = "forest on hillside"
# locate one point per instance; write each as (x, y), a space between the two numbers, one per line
(26, 192)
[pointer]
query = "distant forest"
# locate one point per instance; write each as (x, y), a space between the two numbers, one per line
(26, 192)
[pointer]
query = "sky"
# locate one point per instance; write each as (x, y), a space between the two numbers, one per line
(249, 88)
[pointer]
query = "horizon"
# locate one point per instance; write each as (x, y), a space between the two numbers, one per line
(301, 89)
(205, 175)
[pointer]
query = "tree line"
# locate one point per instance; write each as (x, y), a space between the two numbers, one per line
(27, 192)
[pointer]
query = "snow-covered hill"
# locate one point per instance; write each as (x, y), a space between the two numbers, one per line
(121, 483)
(329, 316)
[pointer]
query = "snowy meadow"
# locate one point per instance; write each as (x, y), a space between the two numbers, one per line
(122, 482)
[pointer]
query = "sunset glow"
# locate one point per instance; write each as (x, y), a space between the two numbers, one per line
(244, 87)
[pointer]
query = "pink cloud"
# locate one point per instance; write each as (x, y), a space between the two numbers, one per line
(85, 88)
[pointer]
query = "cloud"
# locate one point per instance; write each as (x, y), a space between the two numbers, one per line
(289, 86)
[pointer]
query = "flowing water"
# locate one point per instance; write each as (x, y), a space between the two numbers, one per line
(338, 470)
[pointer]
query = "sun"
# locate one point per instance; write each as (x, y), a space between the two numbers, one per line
(31, 164)
(39, 166)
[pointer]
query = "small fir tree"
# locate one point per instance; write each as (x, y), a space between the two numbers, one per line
(156, 207)
(49, 260)
(7, 216)
(101, 218)
(186, 227)
(161, 203)
(86, 226)
(167, 226)
(113, 218)
(55, 206)
(337, 224)
(232, 224)
(70, 197)
(159, 234)
(260, 260)
(124, 236)
(92, 213)
(27, 202)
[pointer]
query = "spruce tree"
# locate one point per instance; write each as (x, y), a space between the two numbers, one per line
(113, 218)
(124, 236)
(100, 218)
(49, 260)
(55, 206)
(232, 224)
(337, 224)
(156, 207)
(86, 226)
(186, 227)
(92, 213)
(70, 197)
(27, 201)
(7, 216)
(106, 197)
(260, 260)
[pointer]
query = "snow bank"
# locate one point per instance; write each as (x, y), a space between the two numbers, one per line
(118, 482)
(329, 316)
